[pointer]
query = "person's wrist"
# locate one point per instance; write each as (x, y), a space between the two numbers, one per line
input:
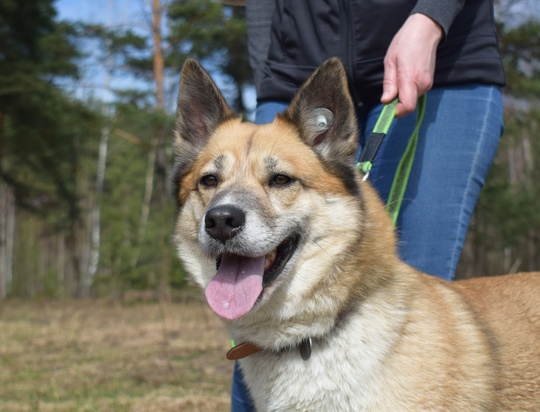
(427, 26)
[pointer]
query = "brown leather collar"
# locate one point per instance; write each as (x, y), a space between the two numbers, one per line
(243, 350)
(246, 349)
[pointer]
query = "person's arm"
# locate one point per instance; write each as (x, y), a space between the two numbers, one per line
(409, 64)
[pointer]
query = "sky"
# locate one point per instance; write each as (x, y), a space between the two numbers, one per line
(109, 12)
(518, 10)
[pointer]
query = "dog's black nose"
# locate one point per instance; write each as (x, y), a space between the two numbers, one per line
(224, 222)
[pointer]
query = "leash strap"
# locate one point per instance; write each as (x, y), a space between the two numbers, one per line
(397, 192)
(365, 163)
(399, 184)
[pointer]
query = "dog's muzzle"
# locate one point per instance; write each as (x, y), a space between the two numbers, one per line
(245, 269)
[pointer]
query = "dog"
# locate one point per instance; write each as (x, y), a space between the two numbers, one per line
(296, 253)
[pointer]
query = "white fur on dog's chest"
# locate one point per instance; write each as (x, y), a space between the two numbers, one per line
(314, 385)
(331, 380)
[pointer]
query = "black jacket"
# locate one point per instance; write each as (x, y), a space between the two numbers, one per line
(304, 33)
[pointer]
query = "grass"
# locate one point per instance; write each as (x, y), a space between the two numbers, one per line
(98, 356)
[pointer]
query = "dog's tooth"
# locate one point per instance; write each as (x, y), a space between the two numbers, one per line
(270, 257)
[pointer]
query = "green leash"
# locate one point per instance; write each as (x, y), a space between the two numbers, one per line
(403, 171)
(376, 137)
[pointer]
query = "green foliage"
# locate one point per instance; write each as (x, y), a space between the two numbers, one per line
(59, 52)
(196, 28)
(44, 137)
(132, 129)
(33, 49)
(520, 49)
(40, 127)
(23, 25)
(506, 228)
(123, 193)
(214, 34)
(128, 50)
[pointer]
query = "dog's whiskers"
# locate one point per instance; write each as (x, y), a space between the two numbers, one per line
(322, 249)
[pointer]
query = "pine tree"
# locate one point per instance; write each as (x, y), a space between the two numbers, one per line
(42, 131)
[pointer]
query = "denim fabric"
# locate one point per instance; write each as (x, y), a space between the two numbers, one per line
(457, 143)
(240, 400)
(266, 111)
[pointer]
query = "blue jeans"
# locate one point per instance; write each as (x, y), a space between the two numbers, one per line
(457, 143)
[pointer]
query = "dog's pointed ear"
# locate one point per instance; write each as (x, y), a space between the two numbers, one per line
(201, 106)
(323, 112)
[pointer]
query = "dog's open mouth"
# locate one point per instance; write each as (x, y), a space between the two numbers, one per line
(240, 280)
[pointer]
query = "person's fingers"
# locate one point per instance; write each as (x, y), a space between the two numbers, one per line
(408, 94)
(397, 83)
(390, 81)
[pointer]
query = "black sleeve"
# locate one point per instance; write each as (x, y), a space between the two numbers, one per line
(442, 11)
(259, 20)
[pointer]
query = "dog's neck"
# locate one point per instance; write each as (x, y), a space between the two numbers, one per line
(245, 349)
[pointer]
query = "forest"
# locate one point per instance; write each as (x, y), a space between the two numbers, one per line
(85, 202)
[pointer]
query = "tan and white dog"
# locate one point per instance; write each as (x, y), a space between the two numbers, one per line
(308, 277)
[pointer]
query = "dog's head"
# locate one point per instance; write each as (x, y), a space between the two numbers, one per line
(265, 210)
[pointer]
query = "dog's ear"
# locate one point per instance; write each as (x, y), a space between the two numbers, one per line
(201, 107)
(323, 112)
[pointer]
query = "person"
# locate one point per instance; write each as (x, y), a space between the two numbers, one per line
(447, 50)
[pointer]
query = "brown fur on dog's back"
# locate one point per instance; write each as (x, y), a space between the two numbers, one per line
(507, 307)
(468, 345)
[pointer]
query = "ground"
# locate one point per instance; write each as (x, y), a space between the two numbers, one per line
(103, 356)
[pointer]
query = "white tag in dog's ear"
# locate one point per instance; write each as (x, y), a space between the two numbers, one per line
(319, 121)
(323, 119)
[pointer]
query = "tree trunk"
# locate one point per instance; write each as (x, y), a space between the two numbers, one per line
(158, 67)
(95, 215)
(95, 225)
(3, 240)
(158, 54)
(7, 231)
(7, 223)
(148, 189)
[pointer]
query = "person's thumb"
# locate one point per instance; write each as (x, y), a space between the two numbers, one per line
(390, 89)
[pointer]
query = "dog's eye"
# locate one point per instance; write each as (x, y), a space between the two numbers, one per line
(209, 181)
(280, 180)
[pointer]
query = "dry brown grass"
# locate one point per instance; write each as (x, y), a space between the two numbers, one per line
(97, 356)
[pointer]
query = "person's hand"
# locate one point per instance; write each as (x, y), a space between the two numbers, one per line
(409, 63)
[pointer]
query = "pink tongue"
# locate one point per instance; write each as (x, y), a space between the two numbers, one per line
(235, 287)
